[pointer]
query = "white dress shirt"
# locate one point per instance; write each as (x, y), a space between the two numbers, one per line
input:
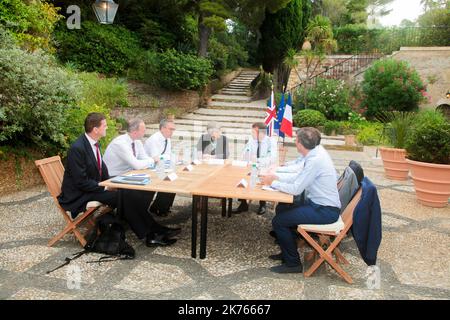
(92, 142)
(154, 146)
(119, 156)
(267, 149)
(318, 179)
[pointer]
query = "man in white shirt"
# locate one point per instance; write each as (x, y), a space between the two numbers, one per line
(259, 148)
(126, 152)
(321, 205)
(157, 146)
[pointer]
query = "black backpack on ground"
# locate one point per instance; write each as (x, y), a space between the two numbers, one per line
(107, 237)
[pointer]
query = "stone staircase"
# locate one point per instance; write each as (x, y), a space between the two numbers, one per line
(235, 111)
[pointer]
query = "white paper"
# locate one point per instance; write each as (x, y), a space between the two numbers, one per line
(171, 177)
(216, 161)
(243, 184)
(238, 163)
(143, 175)
(188, 168)
(269, 188)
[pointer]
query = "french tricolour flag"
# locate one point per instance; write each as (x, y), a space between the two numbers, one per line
(286, 123)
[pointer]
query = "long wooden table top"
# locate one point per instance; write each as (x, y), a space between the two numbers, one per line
(218, 181)
(185, 182)
(223, 184)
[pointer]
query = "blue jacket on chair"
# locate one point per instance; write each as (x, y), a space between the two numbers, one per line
(366, 227)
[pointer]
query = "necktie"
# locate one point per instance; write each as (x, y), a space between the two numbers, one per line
(134, 149)
(165, 146)
(257, 150)
(99, 162)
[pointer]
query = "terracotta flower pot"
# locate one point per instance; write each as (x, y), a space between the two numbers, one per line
(432, 183)
(394, 162)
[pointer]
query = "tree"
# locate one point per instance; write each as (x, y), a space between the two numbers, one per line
(433, 4)
(281, 31)
(377, 9)
(335, 10)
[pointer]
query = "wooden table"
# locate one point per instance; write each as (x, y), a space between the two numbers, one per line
(223, 184)
(205, 181)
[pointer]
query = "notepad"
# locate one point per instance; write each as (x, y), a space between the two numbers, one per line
(131, 180)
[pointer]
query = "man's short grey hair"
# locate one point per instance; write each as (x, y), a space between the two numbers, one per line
(163, 123)
(308, 137)
(212, 127)
(133, 124)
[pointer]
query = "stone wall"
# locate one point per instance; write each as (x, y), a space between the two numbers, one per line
(16, 175)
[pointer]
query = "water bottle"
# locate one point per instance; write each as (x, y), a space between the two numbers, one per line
(160, 168)
(173, 161)
(253, 176)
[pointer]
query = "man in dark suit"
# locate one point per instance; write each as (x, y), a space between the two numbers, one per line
(85, 169)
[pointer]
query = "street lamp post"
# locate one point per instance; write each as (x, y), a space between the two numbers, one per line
(105, 10)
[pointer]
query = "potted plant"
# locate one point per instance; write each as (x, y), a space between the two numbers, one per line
(428, 150)
(396, 131)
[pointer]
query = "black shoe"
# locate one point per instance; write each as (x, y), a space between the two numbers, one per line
(243, 207)
(283, 268)
(171, 232)
(162, 213)
(278, 256)
(159, 240)
(261, 210)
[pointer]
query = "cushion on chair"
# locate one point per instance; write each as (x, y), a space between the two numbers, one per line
(336, 227)
(93, 204)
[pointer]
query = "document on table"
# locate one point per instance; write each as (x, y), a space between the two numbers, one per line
(269, 188)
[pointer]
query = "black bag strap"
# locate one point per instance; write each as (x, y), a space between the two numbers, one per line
(68, 260)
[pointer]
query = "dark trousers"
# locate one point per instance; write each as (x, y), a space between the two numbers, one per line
(163, 201)
(289, 216)
(133, 208)
(261, 203)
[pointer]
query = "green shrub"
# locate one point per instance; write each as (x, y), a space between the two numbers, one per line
(331, 127)
(34, 95)
(109, 49)
(391, 85)
(309, 118)
(330, 97)
(183, 71)
(146, 68)
(397, 127)
(371, 134)
(74, 123)
(96, 90)
(429, 140)
(30, 22)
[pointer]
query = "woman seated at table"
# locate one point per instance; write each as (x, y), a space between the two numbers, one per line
(213, 145)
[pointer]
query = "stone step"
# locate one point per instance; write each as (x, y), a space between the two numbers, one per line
(239, 105)
(235, 90)
(228, 93)
(223, 119)
(228, 98)
(241, 82)
(230, 113)
(237, 86)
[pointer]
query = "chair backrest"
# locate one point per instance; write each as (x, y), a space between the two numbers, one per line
(347, 215)
(52, 172)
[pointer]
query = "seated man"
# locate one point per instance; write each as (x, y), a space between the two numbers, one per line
(159, 144)
(126, 152)
(260, 148)
(321, 205)
(85, 169)
(213, 144)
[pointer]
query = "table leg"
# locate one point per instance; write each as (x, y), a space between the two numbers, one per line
(203, 227)
(194, 226)
(230, 207)
(224, 207)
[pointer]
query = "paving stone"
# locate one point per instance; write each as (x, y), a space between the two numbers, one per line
(271, 289)
(21, 259)
(346, 293)
(37, 294)
(154, 278)
(418, 258)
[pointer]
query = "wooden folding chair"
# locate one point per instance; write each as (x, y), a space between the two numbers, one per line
(52, 172)
(338, 230)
